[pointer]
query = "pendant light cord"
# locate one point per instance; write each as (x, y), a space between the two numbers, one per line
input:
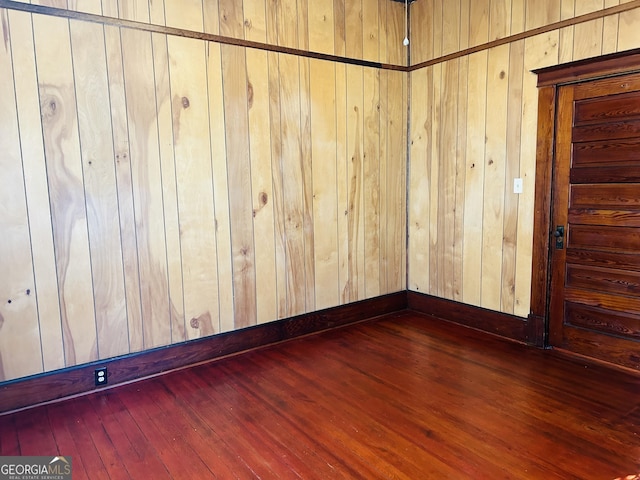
(405, 42)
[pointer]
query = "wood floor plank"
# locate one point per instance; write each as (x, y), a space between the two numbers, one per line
(67, 423)
(9, 443)
(34, 434)
(177, 445)
(136, 452)
(348, 463)
(403, 397)
(230, 410)
(213, 415)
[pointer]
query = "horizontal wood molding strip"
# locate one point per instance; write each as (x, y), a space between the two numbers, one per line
(117, 22)
(590, 68)
(47, 387)
(530, 33)
(502, 324)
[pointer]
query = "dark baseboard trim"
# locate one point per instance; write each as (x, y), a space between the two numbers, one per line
(67, 382)
(502, 324)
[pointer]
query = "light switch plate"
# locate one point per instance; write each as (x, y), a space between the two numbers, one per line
(517, 185)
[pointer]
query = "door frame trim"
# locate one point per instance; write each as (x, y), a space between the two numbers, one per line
(549, 80)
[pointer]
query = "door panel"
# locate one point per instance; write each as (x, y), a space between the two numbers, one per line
(595, 277)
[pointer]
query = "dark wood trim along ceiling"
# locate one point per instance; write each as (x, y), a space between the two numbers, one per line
(88, 17)
(531, 33)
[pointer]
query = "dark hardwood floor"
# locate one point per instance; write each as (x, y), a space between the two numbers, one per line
(403, 397)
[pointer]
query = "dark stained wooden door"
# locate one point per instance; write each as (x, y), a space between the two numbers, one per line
(595, 280)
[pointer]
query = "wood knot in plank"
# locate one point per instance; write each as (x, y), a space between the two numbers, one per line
(49, 107)
(185, 102)
(249, 94)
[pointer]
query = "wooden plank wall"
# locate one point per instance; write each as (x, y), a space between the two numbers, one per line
(157, 188)
(473, 130)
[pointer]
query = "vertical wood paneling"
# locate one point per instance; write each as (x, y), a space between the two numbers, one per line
(169, 186)
(494, 176)
(86, 6)
(371, 30)
(188, 189)
(231, 19)
(65, 179)
(340, 27)
(542, 13)
(278, 199)
(261, 186)
(219, 170)
(497, 111)
(565, 47)
(396, 182)
(438, 15)
(382, 28)
(451, 28)
(287, 22)
(36, 188)
(307, 185)
(465, 11)
(255, 22)
(20, 352)
(474, 179)
(354, 29)
(236, 106)
(610, 29)
(306, 158)
(448, 140)
(421, 32)
(500, 19)
(321, 26)
(147, 188)
(135, 10)
(384, 162)
(479, 22)
(124, 185)
(371, 182)
(396, 51)
(325, 206)
(239, 178)
(210, 16)
(588, 35)
(190, 106)
(291, 168)
(186, 14)
(512, 170)
(518, 16)
(461, 168)
(419, 181)
(180, 147)
(96, 142)
(533, 53)
(354, 207)
(436, 260)
(628, 29)
(342, 183)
